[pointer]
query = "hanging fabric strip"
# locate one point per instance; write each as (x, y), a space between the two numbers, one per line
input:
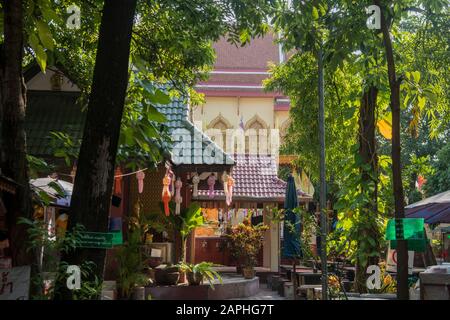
(195, 182)
(225, 184)
(166, 195)
(211, 183)
(229, 186)
(140, 175)
(118, 181)
(178, 198)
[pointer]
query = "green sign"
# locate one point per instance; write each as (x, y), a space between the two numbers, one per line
(95, 240)
(117, 238)
(405, 229)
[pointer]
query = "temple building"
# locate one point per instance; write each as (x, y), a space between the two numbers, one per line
(200, 164)
(234, 95)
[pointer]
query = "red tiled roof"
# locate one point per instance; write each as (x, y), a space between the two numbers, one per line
(255, 55)
(255, 179)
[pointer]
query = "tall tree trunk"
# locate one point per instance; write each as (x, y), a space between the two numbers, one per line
(92, 192)
(394, 85)
(13, 145)
(368, 153)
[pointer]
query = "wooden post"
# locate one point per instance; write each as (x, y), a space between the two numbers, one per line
(294, 279)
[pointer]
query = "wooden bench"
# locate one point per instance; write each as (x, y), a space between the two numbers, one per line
(309, 291)
(306, 278)
(289, 290)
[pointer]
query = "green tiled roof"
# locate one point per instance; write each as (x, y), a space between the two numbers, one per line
(49, 111)
(177, 114)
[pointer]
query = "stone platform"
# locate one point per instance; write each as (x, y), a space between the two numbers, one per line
(233, 286)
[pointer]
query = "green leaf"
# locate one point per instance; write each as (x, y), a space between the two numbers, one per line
(147, 85)
(339, 205)
(416, 75)
(45, 198)
(41, 58)
(59, 190)
(50, 15)
(244, 37)
(45, 35)
(315, 13)
(153, 114)
(139, 63)
(161, 97)
(421, 102)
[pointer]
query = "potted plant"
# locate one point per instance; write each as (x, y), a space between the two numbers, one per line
(135, 266)
(131, 265)
(183, 224)
(245, 241)
(167, 275)
(197, 273)
(191, 218)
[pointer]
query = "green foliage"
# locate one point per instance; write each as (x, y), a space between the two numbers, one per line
(42, 197)
(145, 222)
(354, 60)
(90, 289)
(131, 264)
(245, 241)
(204, 269)
(308, 230)
(341, 105)
(143, 136)
(361, 220)
(50, 278)
(439, 180)
(171, 44)
(64, 146)
(39, 16)
(37, 166)
(388, 282)
(191, 218)
(284, 172)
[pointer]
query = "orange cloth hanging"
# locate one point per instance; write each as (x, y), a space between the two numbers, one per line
(118, 181)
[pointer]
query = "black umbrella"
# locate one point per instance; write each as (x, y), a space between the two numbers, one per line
(291, 243)
(291, 237)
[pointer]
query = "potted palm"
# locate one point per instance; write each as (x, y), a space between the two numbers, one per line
(197, 273)
(131, 264)
(189, 219)
(245, 241)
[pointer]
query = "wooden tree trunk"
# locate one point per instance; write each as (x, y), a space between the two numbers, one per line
(368, 153)
(13, 141)
(399, 199)
(183, 249)
(92, 192)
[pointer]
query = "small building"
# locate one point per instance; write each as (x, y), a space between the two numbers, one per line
(257, 191)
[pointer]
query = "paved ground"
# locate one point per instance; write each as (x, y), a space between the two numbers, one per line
(264, 294)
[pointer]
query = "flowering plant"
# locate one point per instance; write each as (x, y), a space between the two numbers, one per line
(388, 283)
(245, 241)
(334, 286)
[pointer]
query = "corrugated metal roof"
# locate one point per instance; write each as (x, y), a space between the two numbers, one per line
(51, 111)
